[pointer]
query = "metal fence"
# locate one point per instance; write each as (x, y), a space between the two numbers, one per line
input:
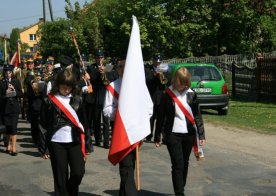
(266, 78)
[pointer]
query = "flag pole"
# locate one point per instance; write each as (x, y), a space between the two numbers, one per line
(137, 169)
(19, 50)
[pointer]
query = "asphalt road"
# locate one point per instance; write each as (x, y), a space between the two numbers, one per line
(226, 170)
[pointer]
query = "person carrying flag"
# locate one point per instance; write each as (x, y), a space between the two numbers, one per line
(179, 113)
(127, 164)
(132, 115)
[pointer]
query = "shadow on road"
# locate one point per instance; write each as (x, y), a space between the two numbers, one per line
(80, 194)
(141, 193)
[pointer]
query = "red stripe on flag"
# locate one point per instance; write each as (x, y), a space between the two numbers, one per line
(120, 145)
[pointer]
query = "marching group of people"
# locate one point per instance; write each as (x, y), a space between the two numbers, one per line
(67, 103)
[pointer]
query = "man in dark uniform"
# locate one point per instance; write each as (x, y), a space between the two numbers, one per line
(156, 78)
(35, 93)
(99, 80)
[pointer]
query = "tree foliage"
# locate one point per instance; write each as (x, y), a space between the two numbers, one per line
(14, 38)
(180, 28)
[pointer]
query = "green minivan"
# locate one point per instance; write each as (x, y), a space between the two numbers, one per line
(210, 86)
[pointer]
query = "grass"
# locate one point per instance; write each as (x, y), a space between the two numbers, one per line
(260, 117)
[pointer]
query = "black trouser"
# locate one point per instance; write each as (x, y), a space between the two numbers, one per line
(87, 127)
(152, 121)
(89, 109)
(67, 180)
(127, 166)
(180, 147)
(34, 125)
(98, 114)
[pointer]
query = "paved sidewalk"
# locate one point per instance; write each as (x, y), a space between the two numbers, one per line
(224, 172)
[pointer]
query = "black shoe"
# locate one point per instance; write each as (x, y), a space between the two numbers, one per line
(107, 146)
(14, 153)
(7, 151)
(97, 144)
(148, 140)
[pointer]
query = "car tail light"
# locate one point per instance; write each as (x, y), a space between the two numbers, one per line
(224, 89)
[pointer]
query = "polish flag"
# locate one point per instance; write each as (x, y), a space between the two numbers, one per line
(15, 60)
(132, 119)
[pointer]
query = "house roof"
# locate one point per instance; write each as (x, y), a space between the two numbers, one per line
(28, 27)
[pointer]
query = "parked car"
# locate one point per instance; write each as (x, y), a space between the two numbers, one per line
(210, 86)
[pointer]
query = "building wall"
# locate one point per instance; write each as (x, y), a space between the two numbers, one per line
(25, 36)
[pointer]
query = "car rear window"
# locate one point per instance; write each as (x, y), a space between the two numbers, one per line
(200, 73)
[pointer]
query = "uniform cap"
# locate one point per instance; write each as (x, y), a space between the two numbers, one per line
(8, 68)
(39, 57)
(157, 58)
(30, 60)
(50, 58)
(99, 53)
(66, 61)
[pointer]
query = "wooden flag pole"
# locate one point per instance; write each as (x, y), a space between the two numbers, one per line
(137, 169)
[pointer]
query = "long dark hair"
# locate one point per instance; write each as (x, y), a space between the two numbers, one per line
(65, 77)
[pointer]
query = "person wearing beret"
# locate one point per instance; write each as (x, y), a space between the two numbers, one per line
(180, 115)
(10, 91)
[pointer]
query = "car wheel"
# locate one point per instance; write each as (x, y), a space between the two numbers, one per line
(222, 111)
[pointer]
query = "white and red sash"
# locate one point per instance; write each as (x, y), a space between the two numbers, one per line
(198, 150)
(113, 91)
(71, 114)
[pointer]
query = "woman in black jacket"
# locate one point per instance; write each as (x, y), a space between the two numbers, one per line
(180, 115)
(64, 143)
(10, 91)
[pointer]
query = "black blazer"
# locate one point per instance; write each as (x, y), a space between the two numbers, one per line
(166, 114)
(52, 119)
(99, 88)
(10, 105)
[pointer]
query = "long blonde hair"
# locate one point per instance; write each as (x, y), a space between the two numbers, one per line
(181, 77)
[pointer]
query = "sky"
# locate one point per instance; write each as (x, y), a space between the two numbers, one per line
(23, 13)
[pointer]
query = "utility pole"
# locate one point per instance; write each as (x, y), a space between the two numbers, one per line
(51, 11)
(44, 11)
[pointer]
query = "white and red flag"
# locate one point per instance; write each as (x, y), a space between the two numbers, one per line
(132, 119)
(15, 61)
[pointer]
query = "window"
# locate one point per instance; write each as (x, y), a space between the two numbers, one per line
(32, 37)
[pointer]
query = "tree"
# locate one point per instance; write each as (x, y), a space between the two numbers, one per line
(58, 44)
(177, 29)
(14, 38)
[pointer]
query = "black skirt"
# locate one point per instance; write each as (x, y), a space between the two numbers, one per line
(11, 121)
